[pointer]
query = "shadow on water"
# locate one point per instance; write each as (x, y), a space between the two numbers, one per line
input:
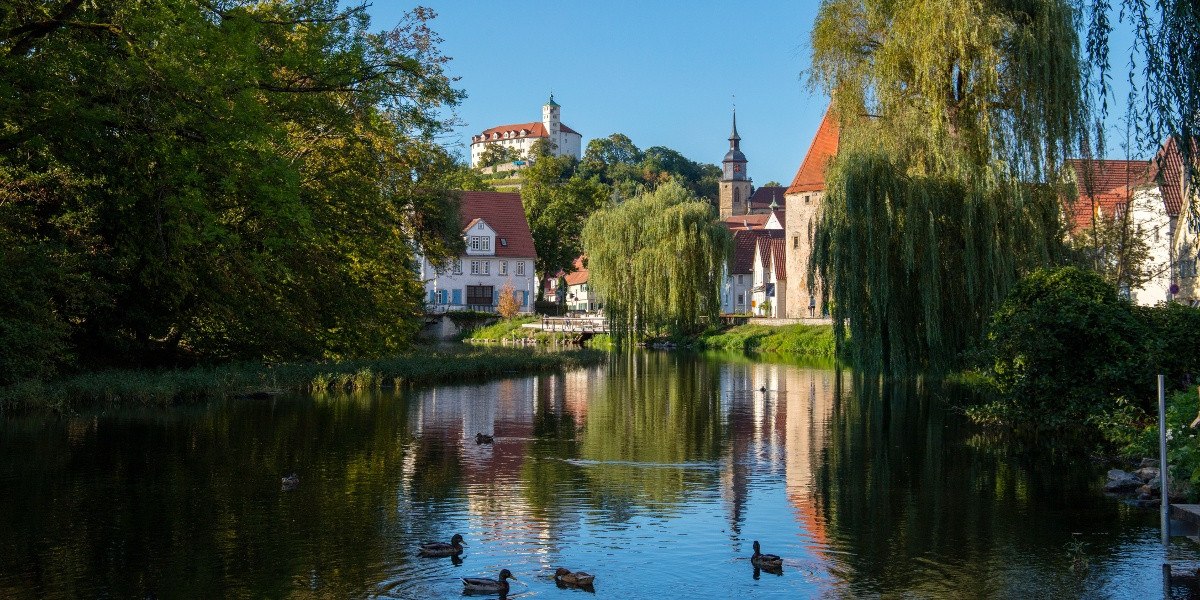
(655, 472)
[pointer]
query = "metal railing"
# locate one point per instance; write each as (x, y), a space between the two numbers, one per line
(575, 324)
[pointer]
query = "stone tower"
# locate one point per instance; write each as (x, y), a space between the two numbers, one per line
(734, 188)
(552, 121)
(802, 212)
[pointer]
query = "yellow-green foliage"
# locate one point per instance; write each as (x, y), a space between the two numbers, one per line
(504, 330)
(815, 341)
(657, 260)
(953, 115)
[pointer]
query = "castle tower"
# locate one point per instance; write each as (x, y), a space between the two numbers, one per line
(552, 121)
(734, 188)
(802, 205)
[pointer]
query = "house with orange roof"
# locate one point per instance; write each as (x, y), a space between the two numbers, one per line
(499, 252)
(803, 201)
(768, 296)
(578, 294)
(521, 136)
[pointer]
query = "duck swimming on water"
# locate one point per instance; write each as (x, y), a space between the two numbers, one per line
(765, 561)
(483, 584)
(564, 575)
(454, 548)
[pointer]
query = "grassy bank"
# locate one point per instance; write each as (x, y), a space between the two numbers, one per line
(815, 341)
(168, 388)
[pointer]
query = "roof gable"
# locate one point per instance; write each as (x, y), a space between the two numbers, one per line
(811, 175)
(1167, 170)
(1104, 186)
(502, 211)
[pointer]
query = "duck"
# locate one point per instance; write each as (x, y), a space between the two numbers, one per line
(763, 389)
(483, 584)
(454, 548)
(483, 439)
(765, 561)
(289, 482)
(564, 575)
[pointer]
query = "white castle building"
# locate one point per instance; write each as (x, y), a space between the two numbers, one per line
(521, 136)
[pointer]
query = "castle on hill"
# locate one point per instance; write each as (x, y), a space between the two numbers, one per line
(521, 136)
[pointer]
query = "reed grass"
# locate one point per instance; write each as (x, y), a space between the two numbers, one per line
(165, 388)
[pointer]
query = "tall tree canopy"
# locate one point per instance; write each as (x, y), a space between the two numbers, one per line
(618, 162)
(558, 200)
(657, 260)
(955, 117)
(187, 179)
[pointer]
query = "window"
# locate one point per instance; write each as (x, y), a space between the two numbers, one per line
(806, 198)
(795, 242)
(485, 243)
(458, 266)
(487, 267)
(474, 267)
(520, 267)
(741, 281)
(473, 242)
(504, 267)
(741, 299)
(479, 295)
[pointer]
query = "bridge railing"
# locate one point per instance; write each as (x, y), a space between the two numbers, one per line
(575, 324)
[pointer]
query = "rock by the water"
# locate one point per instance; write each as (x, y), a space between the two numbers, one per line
(1148, 462)
(1147, 473)
(1120, 481)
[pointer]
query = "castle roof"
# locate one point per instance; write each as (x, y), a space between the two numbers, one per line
(516, 131)
(811, 175)
(503, 212)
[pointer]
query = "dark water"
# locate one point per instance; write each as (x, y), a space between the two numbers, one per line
(655, 472)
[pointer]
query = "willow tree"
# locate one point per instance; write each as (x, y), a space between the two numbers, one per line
(955, 117)
(657, 260)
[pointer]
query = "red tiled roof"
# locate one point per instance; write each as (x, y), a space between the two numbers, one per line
(762, 197)
(1167, 170)
(504, 213)
(579, 274)
(779, 259)
(766, 244)
(1104, 186)
(753, 220)
(744, 243)
(811, 175)
(533, 130)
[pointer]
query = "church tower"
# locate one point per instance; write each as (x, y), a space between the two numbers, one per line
(734, 187)
(551, 120)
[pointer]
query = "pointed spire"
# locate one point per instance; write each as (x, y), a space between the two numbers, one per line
(551, 102)
(734, 136)
(774, 204)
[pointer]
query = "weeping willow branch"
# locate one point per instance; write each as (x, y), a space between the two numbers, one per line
(935, 208)
(657, 260)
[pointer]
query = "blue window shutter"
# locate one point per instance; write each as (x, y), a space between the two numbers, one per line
(443, 298)
(495, 296)
(457, 294)
(524, 298)
(431, 296)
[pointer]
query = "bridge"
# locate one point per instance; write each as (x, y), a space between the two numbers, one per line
(585, 326)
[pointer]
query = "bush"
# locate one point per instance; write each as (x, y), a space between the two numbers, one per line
(1065, 349)
(1174, 339)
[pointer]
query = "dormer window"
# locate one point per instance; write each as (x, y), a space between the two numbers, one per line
(504, 242)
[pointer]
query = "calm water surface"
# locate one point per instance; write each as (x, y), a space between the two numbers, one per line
(656, 472)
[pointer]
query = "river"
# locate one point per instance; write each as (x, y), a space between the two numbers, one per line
(655, 472)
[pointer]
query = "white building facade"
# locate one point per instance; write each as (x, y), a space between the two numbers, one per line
(521, 136)
(499, 252)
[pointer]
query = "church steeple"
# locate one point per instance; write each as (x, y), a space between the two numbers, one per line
(734, 188)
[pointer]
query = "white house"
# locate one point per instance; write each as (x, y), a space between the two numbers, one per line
(739, 272)
(521, 136)
(579, 295)
(1179, 194)
(767, 293)
(499, 251)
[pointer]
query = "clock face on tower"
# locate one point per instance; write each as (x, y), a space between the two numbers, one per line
(737, 168)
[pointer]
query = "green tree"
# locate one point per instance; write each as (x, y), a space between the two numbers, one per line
(557, 202)
(214, 180)
(495, 154)
(954, 115)
(657, 260)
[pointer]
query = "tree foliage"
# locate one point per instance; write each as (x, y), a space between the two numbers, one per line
(955, 116)
(508, 306)
(496, 154)
(186, 180)
(558, 200)
(657, 260)
(618, 162)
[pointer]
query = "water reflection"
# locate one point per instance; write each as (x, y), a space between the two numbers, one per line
(655, 472)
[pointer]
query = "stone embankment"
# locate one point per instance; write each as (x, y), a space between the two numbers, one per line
(1143, 486)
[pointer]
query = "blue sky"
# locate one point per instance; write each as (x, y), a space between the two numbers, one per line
(663, 73)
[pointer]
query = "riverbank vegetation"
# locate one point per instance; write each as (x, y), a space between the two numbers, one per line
(810, 341)
(187, 183)
(143, 387)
